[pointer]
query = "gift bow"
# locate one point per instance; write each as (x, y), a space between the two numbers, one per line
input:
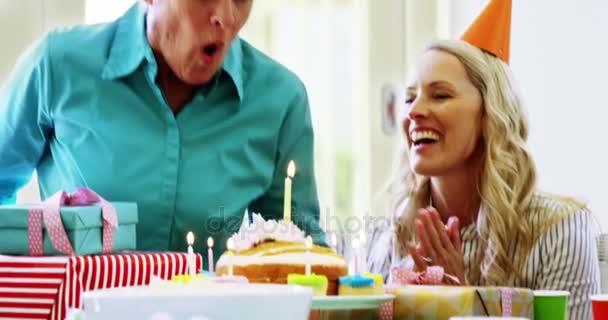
(400, 276)
(433, 275)
(49, 213)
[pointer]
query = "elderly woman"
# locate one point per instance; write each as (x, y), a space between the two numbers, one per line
(465, 194)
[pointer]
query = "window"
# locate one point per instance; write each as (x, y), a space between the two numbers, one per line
(317, 40)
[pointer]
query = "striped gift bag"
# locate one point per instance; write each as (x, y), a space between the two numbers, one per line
(46, 288)
(29, 286)
(113, 271)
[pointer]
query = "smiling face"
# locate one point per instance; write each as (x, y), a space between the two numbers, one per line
(193, 36)
(442, 118)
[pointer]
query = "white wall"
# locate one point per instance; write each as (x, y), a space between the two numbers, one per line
(24, 16)
(21, 23)
(559, 54)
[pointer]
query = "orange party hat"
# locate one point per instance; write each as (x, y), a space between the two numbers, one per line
(491, 31)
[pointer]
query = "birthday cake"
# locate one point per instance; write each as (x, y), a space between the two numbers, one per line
(268, 251)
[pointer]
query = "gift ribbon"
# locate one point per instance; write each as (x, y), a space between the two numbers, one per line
(49, 213)
(433, 275)
(506, 299)
(387, 309)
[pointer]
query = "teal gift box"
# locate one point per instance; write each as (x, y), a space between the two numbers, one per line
(82, 224)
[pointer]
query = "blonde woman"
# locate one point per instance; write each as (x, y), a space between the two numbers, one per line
(465, 195)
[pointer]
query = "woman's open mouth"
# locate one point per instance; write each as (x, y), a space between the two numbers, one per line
(423, 140)
(424, 137)
(210, 52)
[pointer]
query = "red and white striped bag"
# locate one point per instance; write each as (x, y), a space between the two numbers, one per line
(46, 288)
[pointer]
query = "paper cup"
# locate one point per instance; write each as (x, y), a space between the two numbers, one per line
(550, 305)
(600, 306)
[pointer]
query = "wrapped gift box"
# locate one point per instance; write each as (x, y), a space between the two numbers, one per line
(46, 287)
(443, 302)
(83, 226)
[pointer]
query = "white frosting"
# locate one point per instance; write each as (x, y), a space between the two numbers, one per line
(298, 258)
(260, 230)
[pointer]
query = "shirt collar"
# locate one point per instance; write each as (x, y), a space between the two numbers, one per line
(233, 65)
(130, 47)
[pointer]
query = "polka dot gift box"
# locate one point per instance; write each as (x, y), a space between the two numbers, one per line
(81, 223)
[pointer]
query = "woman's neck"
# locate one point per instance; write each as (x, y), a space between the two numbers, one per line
(456, 194)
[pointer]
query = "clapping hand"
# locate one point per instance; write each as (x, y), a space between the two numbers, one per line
(439, 244)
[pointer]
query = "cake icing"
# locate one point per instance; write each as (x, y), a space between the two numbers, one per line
(261, 230)
(283, 258)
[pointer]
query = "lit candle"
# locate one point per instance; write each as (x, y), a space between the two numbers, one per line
(230, 247)
(308, 247)
(191, 264)
(291, 171)
(356, 255)
(210, 253)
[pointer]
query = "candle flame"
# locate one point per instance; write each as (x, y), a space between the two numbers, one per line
(308, 243)
(291, 169)
(230, 244)
(190, 238)
(356, 243)
(210, 242)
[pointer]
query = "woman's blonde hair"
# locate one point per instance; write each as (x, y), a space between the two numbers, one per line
(506, 183)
